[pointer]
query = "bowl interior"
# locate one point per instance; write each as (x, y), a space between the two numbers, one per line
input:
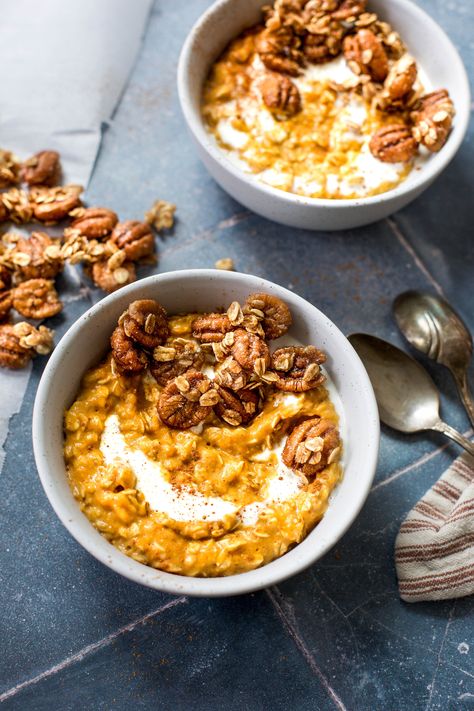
(87, 341)
(425, 40)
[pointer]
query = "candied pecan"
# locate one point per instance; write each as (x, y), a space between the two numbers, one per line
(112, 279)
(5, 278)
(9, 169)
(174, 359)
(311, 446)
(42, 169)
(36, 257)
(275, 314)
(365, 54)
(393, 144)
(432, 118)
(161, 215)
(18, 205)
(297, 368)
(145, 322)
(401, 77)
(322, 47)
(236, 408)
(127, 356)
(230, 374)
(250, 351)
(36, 298)
(280, 95)
(187, 400)
(5, 303)
(12, 354)
(39, 339)
(211, 328)
(92, 222)
(280, 50)
(349, 9)
(54, 204)
(4, 214)
(134, 238)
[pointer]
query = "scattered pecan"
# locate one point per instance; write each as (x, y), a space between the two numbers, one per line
(187, 400)
(297, 368)
(230, 374)
(280, 95)
(9, 169)
(365, 54)
(432, 118)
(145, 322)
(174, 359)
(54, 204)
(236, 408)
(225, 264)
(92, 222)
(112, 279)
(134, 238)
(5, 303)
(36, 257)
(5, 278)
(311, 446)
(12, 354)
(128, 358)
(36, 298)
(275, 314)
(211, 328)
(42, 169)
(280, 50)
(250, 351)
(393, 144)
(161, 215)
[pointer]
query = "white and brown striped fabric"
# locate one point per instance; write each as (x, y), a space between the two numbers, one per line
(434, 550)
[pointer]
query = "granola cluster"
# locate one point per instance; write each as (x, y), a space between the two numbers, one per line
(233, 346)
(93, 236)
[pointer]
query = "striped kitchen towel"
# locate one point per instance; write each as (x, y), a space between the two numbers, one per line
(434, 550)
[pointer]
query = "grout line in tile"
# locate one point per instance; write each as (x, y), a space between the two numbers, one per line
(408, 247)
(89, 649)
(298, 641)
(417, 463)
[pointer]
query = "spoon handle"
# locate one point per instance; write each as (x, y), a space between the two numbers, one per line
(465, 393)
(456, 436)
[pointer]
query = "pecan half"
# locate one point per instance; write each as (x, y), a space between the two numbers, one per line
(187, 400)
(280, 50)
(236, 408)
(365, 54)
(36, 298)
(274, 313)
(393, 144)
(36, 257)
(93, 222)
(432, 118)
(230, 374)
(250, 351)
(134, 238)
(128, 358)
(174, 359)
(54, 204)
(211, 328)
(297, 368)
(280, 95)
(110, 279)
(312, 446)
(9, 169)
(401, 77)
(12, 354)
(5, 303)
(42, 169)
(145, 322)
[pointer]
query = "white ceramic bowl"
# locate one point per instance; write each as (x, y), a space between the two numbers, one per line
(203, 290)
(435, 53)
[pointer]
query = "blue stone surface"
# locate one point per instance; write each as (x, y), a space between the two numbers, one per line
(74, 635)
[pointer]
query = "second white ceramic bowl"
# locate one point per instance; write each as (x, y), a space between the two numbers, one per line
(203, 290)
(425, 40)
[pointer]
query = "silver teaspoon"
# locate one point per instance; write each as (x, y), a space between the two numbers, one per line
(407, 398)
(431, 326)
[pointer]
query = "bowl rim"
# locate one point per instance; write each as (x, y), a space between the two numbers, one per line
(430, 170)
(240, 583)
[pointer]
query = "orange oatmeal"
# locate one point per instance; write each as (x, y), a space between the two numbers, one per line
(323, 100)
(196, 448)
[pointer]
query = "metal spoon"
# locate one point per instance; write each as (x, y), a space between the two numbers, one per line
(407, 398)
(430, 324)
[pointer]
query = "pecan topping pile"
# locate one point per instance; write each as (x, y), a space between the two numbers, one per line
(93, 236)
(234, 346)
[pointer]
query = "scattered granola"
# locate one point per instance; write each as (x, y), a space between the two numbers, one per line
(161, 215)
(21, 342)
(9, 169)
(226, 264)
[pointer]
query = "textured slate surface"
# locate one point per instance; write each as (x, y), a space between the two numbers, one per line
(75, 635)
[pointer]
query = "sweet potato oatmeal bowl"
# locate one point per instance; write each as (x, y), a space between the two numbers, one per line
(196, 449)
